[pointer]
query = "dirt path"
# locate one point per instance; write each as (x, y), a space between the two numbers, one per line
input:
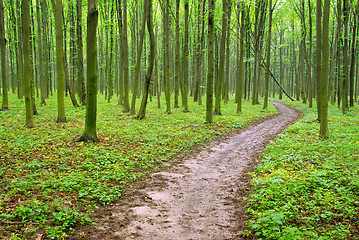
(198, 199)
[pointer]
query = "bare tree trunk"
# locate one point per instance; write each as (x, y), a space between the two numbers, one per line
(4, 67)
(217, 108)
(80, 56)
(25, 17)
(138, 63)
(209, 102)
(266, 90)
(142, 111)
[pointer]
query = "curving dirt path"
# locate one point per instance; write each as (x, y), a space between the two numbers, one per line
(201, 197)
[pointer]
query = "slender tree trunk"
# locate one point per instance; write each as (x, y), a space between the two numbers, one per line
(110, 60)
(339, 55)
(138, 63)
(166, 56)
(353, 52)
(323, 88)
(309, 60)
(142, 111)
(210, 51)
(178, 56)
(217, 108)
(266, 90)
(241, 57)
(4, 67)
(90, 134)
(61, 117)
(185, 59)
(68, 81)
(20, 61)
(226, 76)
(345, 58)
(40, 54)
(25, 13)
(319, 56)
(281, 64)
(80, 55)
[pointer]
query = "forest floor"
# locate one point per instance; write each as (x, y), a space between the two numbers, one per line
(199, 198)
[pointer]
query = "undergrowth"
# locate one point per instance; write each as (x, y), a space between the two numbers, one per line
(50, 184)
(307, 187)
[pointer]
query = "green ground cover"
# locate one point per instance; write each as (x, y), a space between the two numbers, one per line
(50, 184)
(306, 187)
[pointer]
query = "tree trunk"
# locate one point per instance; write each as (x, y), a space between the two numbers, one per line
(323, 88)
(177, 56)
(90, 134)
(166, 56)
(25, 13)
(210, 51)
(142, 111)
(68, 81)
(241, 57)
(217, 108)
(57, 7)
(345, 58)
(226, 78)
(4, 67)
(266, 90)
(185, 59)
(138, 63)
(353, 52)
(80, 55)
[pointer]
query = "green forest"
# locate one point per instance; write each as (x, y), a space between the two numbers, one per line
(99, 97)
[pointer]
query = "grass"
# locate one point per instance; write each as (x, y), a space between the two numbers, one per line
(50, 184)
(307, 187)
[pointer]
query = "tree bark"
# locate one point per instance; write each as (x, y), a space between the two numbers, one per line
(217, 108)
(90, 134)
(323, 88)
(185, 59)
(138, 63)
(80, 55)
(4, 67)
(345, 58)
(25, 10)
(210, 51)
(142, 111)
(57, 7)
(266, 90)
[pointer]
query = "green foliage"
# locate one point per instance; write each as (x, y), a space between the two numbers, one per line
(307, 187)
(69, 179)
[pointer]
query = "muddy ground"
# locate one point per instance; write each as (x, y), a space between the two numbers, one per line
(200, 198)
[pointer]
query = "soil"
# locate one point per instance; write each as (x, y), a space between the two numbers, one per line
(199, 198)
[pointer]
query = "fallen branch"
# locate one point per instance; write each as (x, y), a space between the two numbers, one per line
(273, 77)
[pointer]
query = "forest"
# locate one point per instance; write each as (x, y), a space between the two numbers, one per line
(104, 103)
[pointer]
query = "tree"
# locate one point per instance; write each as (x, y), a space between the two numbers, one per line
(185, 58)
(322, 65)
(166, 55)
(210, 73)
(4, 68)
(25, 17)
(177, 55)
(138, 62)
(80, 55)
(217, 107)
(57, 8)
(240, 54)
(345, 58)
(90, 134)
(142, 111)
(266, 90)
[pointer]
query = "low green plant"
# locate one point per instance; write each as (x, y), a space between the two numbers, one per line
(307, 187)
